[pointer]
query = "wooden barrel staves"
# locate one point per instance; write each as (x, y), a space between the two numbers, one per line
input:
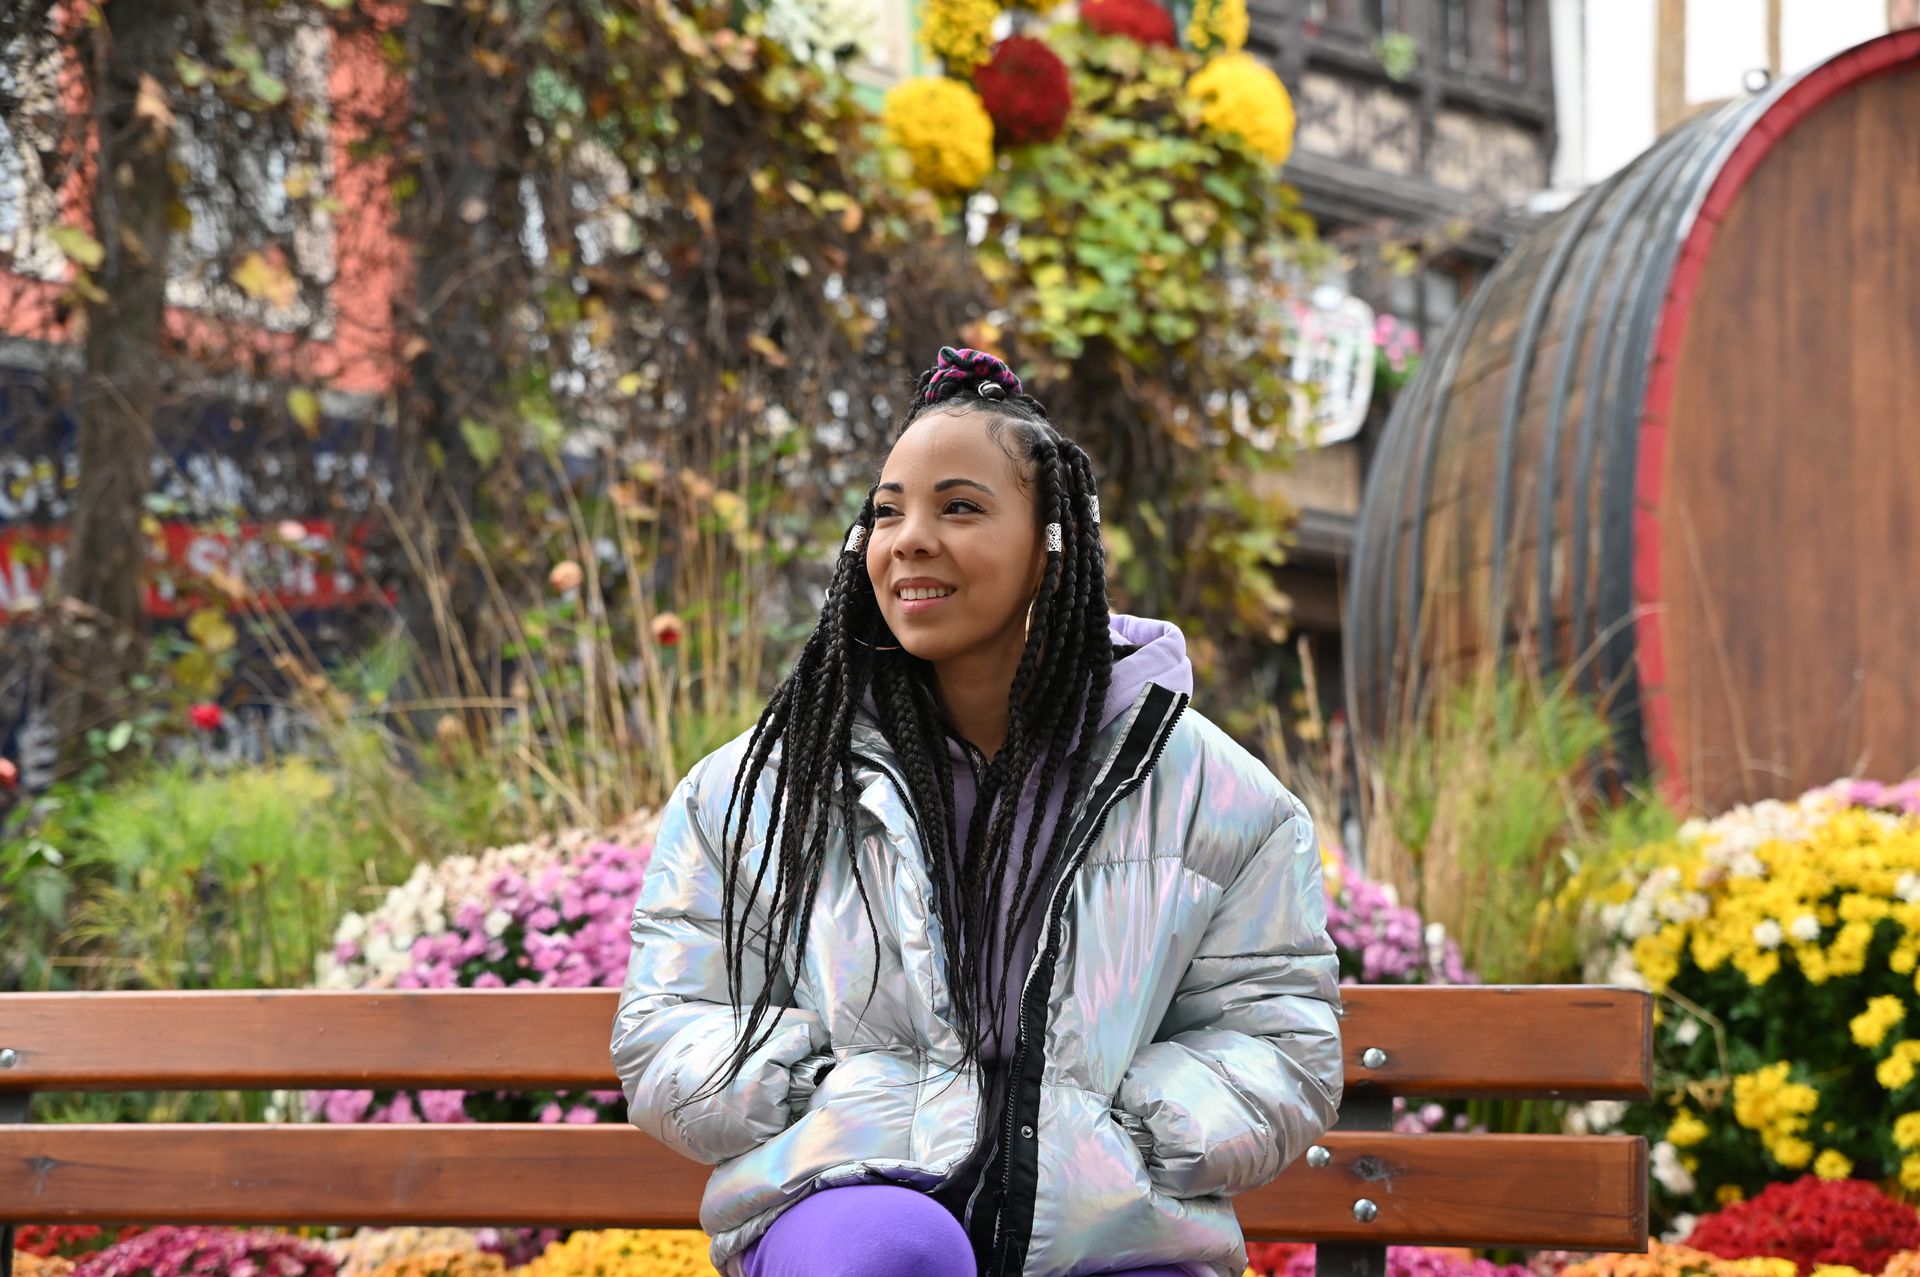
(1671, 451)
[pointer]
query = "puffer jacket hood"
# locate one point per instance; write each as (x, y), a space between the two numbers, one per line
(1178, 1031)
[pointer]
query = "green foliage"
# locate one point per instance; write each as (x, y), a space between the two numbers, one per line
(1140, 266)
(216, 880)
(1485, 809)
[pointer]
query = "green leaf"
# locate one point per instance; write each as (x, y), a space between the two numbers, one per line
(78, 245)
(482, 440)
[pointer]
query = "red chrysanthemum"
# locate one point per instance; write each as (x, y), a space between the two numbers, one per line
(1144, 20)
(1811, 1222)
(1026, 90)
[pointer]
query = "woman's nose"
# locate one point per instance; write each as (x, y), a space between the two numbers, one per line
(916, 536)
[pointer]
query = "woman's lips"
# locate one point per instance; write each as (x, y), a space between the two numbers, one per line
(913, 607)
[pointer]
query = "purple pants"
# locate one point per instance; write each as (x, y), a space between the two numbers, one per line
(874, 1230)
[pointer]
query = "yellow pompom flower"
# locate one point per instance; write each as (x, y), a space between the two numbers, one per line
(1791, 1151)
(943, 127)
(1832, 1164)
(1871, 1026)
(1239, 94)
(959, 32)
(1758, 1266)
(1218, 24)
(1906, 1131)
(1835, 1270)
(1729, 1194)
(1686, 1130)
(622, 1252)
(445, 1263)
(1896, 1070)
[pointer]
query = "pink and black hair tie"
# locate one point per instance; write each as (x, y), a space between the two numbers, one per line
(997, 381)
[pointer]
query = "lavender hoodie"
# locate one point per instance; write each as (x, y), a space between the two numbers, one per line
(1147, 651)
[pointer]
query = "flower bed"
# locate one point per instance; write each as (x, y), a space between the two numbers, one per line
(1813, 1223)
(1783, 940)
(554, 913)
(209, 1252)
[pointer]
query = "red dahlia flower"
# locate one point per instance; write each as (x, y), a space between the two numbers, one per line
(1026, 91)
(1144, 20)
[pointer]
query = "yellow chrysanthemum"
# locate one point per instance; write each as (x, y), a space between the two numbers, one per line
(1729, 1194)
(1835, 1270)
(1758, 1266)
(1832, 1164)
(959, 32)
(1896, 1071)
(1240, 94)
(1906, 1131)
(1791, 1151)
(1910, 1173)
(1871, 1026)
(1218, 24)
(621, 1252)
(1686, 1130)
(944, 128)
(445, 1263)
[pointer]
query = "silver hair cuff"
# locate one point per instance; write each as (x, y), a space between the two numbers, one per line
(1093, 508)
(855, 539)
(1054, 542)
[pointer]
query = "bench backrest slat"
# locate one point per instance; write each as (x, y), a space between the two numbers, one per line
(1579, 1192)
(1571, 1042)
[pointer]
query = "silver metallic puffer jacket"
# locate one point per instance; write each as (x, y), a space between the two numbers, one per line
(1179, 1036)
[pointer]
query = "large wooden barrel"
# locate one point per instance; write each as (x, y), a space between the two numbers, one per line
(1671, 449)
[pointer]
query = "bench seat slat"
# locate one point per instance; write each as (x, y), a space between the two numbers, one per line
(1519, 1190)
(1517, 1042)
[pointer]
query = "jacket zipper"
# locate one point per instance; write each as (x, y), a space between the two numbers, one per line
(1050, 952)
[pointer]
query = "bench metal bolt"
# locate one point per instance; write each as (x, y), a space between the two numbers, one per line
(1365, 1211)
(8, 1057)
(1373, 1057)
(1318, 1157)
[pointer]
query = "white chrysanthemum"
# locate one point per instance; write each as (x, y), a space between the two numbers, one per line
(1668, 1170)
(1767, 934)
(1595, 1118)
(826, 33)
(1688, 1032)
(1805, 928)
(1907, 887)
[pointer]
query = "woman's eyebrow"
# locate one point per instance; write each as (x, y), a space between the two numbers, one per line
(941, 486)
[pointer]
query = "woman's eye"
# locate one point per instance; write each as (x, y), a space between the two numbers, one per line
(884, 512)
(967, 507)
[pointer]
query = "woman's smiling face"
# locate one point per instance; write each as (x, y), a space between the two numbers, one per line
(957, 551)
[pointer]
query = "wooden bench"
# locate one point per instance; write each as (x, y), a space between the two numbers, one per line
(1362, 1188)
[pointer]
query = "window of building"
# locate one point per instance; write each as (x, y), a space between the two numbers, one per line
(1453, 32)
